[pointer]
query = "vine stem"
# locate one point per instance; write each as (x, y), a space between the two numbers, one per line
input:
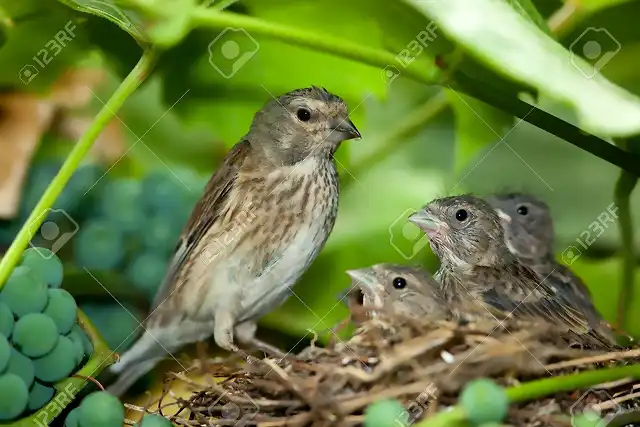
(204, 17)
(624, 187)
(108, 111)
(540, 388)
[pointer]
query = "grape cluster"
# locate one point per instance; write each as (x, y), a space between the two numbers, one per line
(135, 228)
(75, 200)
(125, 226)
(100, 409)
(40, 340)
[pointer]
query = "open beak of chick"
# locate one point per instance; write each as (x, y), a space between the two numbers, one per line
(365, 288)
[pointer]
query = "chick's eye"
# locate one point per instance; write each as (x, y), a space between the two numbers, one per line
(303, 114)
(461, 215)
(522, 210)
(399, 283)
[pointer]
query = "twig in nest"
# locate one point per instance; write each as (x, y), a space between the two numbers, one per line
(614, 355)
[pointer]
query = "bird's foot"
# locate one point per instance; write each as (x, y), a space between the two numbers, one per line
(243, 354)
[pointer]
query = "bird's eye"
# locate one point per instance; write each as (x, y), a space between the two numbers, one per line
(522, 210)
(399, 283)
(461, 215)
(303, 114)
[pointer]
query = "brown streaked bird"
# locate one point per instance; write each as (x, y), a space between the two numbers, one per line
(263, 218)
(477, 270)
(398, 289)
(529, 235)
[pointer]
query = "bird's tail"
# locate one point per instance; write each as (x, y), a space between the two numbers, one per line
(143, 356)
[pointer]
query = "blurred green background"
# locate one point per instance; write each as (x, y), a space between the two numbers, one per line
(181, 122)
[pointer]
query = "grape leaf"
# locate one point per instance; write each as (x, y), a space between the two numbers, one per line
(159, 22)
(43, 41)
(496, 35)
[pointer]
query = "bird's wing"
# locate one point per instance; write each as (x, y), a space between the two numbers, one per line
(517, 290)
(204, 215)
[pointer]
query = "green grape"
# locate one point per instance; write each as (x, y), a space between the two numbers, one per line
(87, 346)
(5, 352)
(121, 204)
(99, 245)
(161, 235)
(78, 345)
(72, 418)
(115, 324)
(72, 194)
(58, 364)
(40, 176)
(24, 292)
(14, 396)
(383, 413)
(6, 320)
(588, 419)
(484, 401)
(44, 263)
(154, 420)
(146, 272)
(22, 366)
(39, 396)
(35, 335)
(83, 179)
(62, 309)
(162, 193)
(100, 409)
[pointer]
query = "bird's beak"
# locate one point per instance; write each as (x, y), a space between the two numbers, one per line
(347, 128)
(503, 216)
(362, 276)
(427, 222)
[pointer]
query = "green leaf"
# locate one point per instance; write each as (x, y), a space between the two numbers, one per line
(477, 126)
(160, 22)
(495, 34)
(527, 9)
(123, 15)
(43, 41)
(236, 89)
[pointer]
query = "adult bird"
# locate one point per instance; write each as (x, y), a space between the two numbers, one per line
(263, 218)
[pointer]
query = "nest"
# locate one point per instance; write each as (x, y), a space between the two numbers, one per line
(422, 364)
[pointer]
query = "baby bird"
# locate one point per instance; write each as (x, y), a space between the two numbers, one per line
(398, 289)
(529, 235)
(477, 270)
